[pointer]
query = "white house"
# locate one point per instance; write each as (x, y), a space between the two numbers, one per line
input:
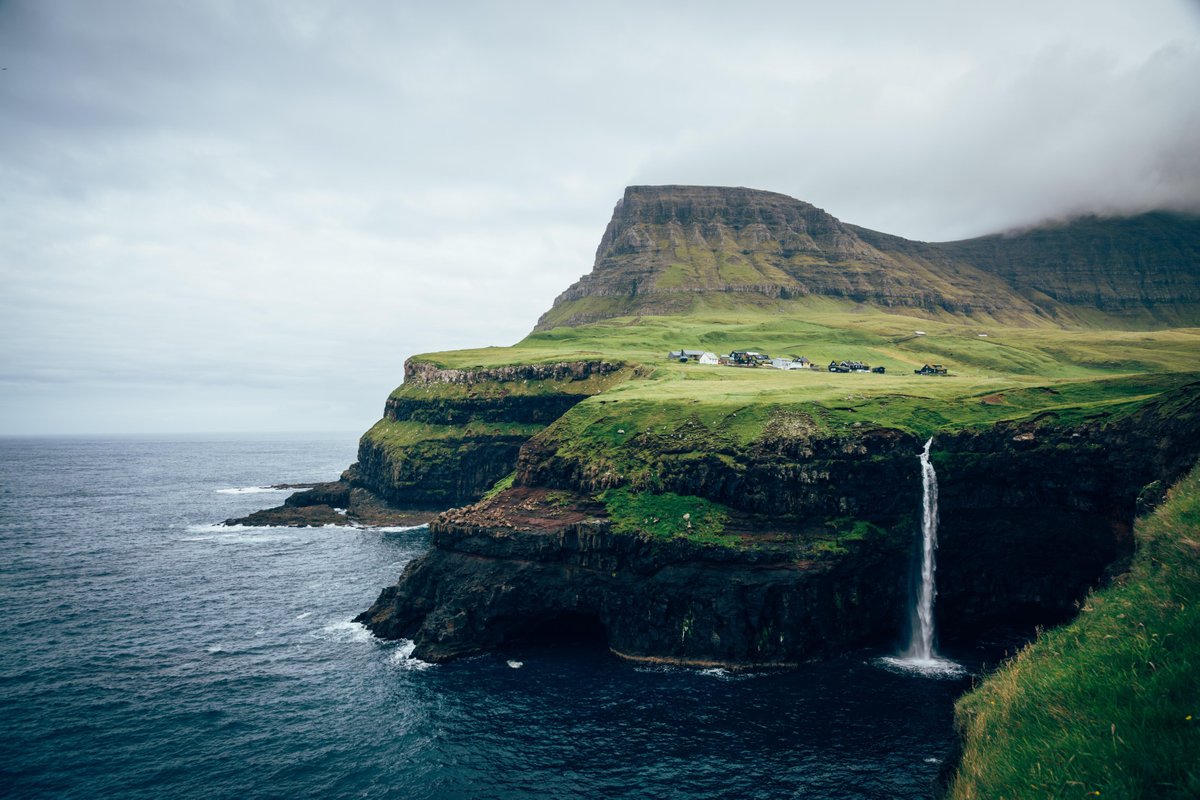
(708, 358)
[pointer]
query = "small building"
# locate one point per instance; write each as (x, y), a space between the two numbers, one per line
(790, 362)
(748, 358)
(708, 358)
(686, 355)
(848, 366)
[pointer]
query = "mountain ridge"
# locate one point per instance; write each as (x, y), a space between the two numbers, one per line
(668, 248)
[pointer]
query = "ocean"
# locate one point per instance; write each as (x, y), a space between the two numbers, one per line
(148, 652)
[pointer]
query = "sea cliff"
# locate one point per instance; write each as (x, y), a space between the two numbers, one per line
(813, 553)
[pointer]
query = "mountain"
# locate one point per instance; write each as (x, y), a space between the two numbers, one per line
(670, 250)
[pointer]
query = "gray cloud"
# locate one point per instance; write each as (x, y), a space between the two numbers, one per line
(228, 215)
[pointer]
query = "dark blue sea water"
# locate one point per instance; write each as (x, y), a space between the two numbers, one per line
(146, 653)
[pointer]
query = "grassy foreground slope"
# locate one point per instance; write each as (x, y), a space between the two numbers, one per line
(1108, 705)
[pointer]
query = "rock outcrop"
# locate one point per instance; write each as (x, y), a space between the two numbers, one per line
(447, 435)
(482, 588)
(337, 502)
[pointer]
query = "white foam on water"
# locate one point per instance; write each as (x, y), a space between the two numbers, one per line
(214, 649)
(402, 657)
(347, 631)
(935, 667)
(516, 664)
(220, 527)
(305, 615)
(932, 760)
(393, 528)
(659, 668)
(722, 674)
(253, 490)
(239, 534)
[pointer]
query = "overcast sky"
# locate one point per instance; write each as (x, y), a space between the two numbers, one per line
(221, 215)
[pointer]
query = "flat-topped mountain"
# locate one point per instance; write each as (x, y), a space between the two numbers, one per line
(673, 249)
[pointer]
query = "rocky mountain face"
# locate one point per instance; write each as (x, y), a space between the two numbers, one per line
(1146, 265)
(669, 247)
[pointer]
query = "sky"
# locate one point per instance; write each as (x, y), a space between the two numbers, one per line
(237, 216)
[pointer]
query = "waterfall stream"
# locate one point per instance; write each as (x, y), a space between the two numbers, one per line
(919, 655)
(920, 645)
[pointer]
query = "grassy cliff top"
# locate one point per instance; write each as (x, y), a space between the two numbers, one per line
(996, 371)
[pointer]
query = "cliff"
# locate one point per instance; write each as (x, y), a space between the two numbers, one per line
(813, 550)
(447, 435)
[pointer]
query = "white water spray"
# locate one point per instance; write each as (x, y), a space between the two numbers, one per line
(919, 656)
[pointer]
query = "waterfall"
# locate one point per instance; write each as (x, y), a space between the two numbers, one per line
(920, 644)
(919, 655)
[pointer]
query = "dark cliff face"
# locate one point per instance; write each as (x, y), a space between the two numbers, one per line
(866, 476)
(669, 246)
(1032, 515)
(484, 588)
(447, 435)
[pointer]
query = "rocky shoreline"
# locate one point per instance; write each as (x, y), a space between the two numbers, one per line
(337, 502)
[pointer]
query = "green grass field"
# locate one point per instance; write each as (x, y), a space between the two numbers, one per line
(1008, 373)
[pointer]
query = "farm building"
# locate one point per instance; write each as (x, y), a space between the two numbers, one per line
(691, 355)
(748, 358)
(790, 362)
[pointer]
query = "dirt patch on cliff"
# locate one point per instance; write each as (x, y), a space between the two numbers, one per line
(528, 509)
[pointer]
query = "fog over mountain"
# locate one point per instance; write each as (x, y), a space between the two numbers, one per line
(243, 216)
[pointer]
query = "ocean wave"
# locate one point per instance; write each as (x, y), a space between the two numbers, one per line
(402, 657)
(252, 490)
(221, 528)
(347, 631)
(237, 534)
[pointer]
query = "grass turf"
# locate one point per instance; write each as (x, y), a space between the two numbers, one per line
(1109, 705)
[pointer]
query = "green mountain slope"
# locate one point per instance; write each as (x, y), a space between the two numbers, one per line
(673, 250)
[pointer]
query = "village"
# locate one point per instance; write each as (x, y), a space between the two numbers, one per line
(752, 358)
